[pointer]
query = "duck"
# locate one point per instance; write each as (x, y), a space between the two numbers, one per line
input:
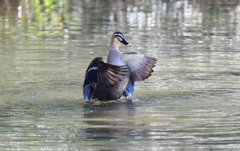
(105, 81)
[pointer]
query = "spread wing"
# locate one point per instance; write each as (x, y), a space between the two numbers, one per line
(140, 68)
(99, 72)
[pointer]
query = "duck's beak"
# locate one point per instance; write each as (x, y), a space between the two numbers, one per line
(125, 42)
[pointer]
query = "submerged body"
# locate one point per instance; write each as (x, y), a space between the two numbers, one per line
(111, 80)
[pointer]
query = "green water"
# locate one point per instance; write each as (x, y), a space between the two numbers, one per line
(191, 101)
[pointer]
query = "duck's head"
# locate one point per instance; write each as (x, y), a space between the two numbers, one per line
(118, 38)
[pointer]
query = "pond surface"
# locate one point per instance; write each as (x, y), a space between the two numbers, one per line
(191, 101)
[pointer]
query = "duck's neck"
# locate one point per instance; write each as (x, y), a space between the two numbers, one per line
(114, 57)
(114, 44)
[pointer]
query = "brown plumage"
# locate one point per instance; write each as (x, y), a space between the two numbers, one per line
(111, 80)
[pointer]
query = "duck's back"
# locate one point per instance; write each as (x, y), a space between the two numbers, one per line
(113, 92)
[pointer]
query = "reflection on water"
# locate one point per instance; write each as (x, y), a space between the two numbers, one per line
(190, 102)
(103, 124)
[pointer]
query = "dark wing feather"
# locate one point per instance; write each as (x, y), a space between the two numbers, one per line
(140, 68)
(101, 73)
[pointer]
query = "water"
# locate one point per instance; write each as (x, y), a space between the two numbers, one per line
(191, 102)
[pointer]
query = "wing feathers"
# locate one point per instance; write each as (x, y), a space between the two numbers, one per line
(140, 68)
(102, 73)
